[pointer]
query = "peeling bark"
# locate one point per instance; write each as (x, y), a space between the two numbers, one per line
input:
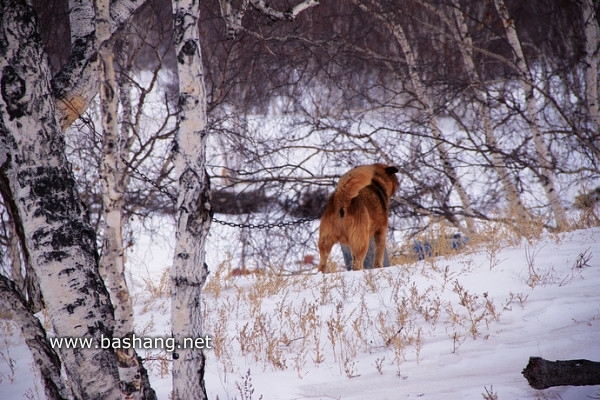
(76, 84)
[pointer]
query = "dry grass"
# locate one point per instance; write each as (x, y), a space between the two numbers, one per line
(298, 322)
(262, 319)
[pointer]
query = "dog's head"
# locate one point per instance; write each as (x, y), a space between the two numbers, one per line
(388, 174)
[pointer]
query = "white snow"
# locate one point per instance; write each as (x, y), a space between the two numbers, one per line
(529, 299)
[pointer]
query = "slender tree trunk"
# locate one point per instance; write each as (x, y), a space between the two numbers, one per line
(423, 97)
(60, 240)
(193, 205)
(592, 61)
(592, 66)
(465, 46)
(546, 173)
(112, 263)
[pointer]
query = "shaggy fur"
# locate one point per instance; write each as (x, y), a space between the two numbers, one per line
(358, 211)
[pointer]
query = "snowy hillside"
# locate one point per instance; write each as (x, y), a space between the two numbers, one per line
(456, 327)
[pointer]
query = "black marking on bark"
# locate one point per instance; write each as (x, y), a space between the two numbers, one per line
(63, 80)
(175, 147)
(67, 271)
(71, 307)
(189, 48)
(13, 89)
(185, 282)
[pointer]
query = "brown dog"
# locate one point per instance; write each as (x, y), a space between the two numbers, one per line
(358, 211)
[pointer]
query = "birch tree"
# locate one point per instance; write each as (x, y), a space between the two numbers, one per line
(57, 233)
(422, 96)
(591, 68)
(193, 211)
(546, 173)
(113, 176)
(37, 180)
(458, 27)
(193, 205)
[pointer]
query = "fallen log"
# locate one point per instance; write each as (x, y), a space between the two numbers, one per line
(542, 374)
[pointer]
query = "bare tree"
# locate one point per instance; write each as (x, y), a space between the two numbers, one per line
(455, 20)
(546, 173)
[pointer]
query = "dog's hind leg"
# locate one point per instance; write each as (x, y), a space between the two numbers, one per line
(379, 248)
(325, 246)
(359, 252)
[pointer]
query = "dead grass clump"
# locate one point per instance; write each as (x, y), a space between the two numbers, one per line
(156, 292)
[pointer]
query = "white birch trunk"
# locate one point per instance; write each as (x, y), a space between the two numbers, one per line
(592, 67)
(60, 240)
(112, 263)
(423, 97)
(193, 205)
(465, 45)
(546, 174)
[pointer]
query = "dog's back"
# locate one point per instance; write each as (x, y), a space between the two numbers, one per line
(357, 211)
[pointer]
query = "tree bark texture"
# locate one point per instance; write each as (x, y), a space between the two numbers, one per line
(58, 234)
(542, 374)
(112, 263)
(193, 204)
(77, 83)
(18, 251)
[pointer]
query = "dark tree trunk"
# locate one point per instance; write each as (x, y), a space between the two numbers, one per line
(542, 374)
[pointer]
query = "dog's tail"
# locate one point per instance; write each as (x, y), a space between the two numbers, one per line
(350, 184)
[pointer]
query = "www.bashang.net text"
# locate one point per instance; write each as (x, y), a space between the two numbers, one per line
(168, 344)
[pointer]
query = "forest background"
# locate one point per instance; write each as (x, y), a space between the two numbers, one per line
(489, 110)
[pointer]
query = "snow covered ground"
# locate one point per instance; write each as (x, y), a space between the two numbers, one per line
(454, 327)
